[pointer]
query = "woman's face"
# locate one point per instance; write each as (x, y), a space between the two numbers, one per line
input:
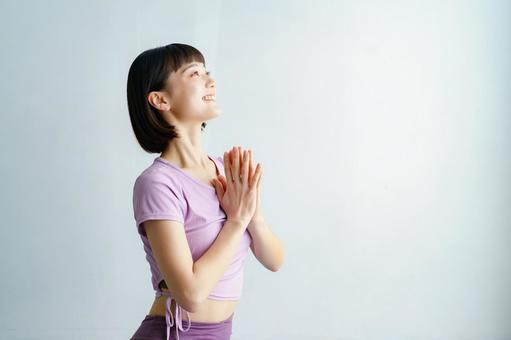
(187, 88)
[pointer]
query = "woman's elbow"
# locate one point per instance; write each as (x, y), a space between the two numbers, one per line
(192, 303)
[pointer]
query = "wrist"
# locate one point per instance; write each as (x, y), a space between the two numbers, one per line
(240, 223)
(256, 219)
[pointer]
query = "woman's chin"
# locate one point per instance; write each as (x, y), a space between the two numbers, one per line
(216, 112)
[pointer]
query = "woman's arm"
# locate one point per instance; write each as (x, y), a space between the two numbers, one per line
(191, 282)
(267, 248)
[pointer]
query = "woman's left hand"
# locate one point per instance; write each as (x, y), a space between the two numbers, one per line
(258, 213)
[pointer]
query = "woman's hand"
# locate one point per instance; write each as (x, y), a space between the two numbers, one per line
(238, 196)
(222, 180)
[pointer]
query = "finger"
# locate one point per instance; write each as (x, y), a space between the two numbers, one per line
(240, 152)
(244, 178)
(218, 187)
(231, 164)
(259, 175)
(227, 167)
(232, 158)
(223, 181)
(255, 178)
(259, 180)
(240, 161)
(236, 165)
(257, 198)
(250, 167)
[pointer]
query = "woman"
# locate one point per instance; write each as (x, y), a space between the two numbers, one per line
(196, 218)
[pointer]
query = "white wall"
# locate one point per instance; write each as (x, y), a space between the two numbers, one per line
(382, 128)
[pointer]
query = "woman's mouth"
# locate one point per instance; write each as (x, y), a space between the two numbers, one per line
(208, 98)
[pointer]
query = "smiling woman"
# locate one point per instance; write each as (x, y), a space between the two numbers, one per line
(196, 229)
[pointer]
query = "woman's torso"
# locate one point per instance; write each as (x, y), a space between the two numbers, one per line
(211, 310)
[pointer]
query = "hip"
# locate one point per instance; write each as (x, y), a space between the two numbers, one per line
(156, 328)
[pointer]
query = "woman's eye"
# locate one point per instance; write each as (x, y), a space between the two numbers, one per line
(208, 73)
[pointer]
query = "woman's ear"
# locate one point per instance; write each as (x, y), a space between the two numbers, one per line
(157, 100)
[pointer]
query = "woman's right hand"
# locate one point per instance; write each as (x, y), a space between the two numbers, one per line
(239, 199)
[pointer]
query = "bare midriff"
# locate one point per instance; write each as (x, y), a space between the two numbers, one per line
(212, 311)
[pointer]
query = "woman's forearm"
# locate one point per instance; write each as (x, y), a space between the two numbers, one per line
(267, 248)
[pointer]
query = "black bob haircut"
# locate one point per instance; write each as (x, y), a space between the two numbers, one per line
(149, 72)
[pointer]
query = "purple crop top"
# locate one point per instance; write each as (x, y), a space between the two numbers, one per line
(164, 191)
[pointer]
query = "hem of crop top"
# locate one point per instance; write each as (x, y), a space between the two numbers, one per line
(211, 296)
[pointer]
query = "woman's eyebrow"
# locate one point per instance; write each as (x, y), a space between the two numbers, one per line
(186, 68)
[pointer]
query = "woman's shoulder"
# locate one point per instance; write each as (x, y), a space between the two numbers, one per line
(157, 172)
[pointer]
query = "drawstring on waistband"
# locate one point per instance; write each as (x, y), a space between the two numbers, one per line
(170, 321)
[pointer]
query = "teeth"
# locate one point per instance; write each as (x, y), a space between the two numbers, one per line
(208, 98)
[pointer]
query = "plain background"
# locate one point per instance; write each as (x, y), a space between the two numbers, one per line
(383, 128)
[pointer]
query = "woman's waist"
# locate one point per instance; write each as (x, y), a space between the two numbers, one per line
(210, 310)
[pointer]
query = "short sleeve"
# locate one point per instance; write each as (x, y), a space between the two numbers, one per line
(156, 198)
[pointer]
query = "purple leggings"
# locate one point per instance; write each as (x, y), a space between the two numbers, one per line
(153, 327)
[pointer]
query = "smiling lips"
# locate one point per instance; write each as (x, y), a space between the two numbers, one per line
(209, 98)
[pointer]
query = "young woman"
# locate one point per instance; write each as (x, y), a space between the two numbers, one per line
(197, 215)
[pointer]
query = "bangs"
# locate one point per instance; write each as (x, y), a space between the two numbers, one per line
(179, 55)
